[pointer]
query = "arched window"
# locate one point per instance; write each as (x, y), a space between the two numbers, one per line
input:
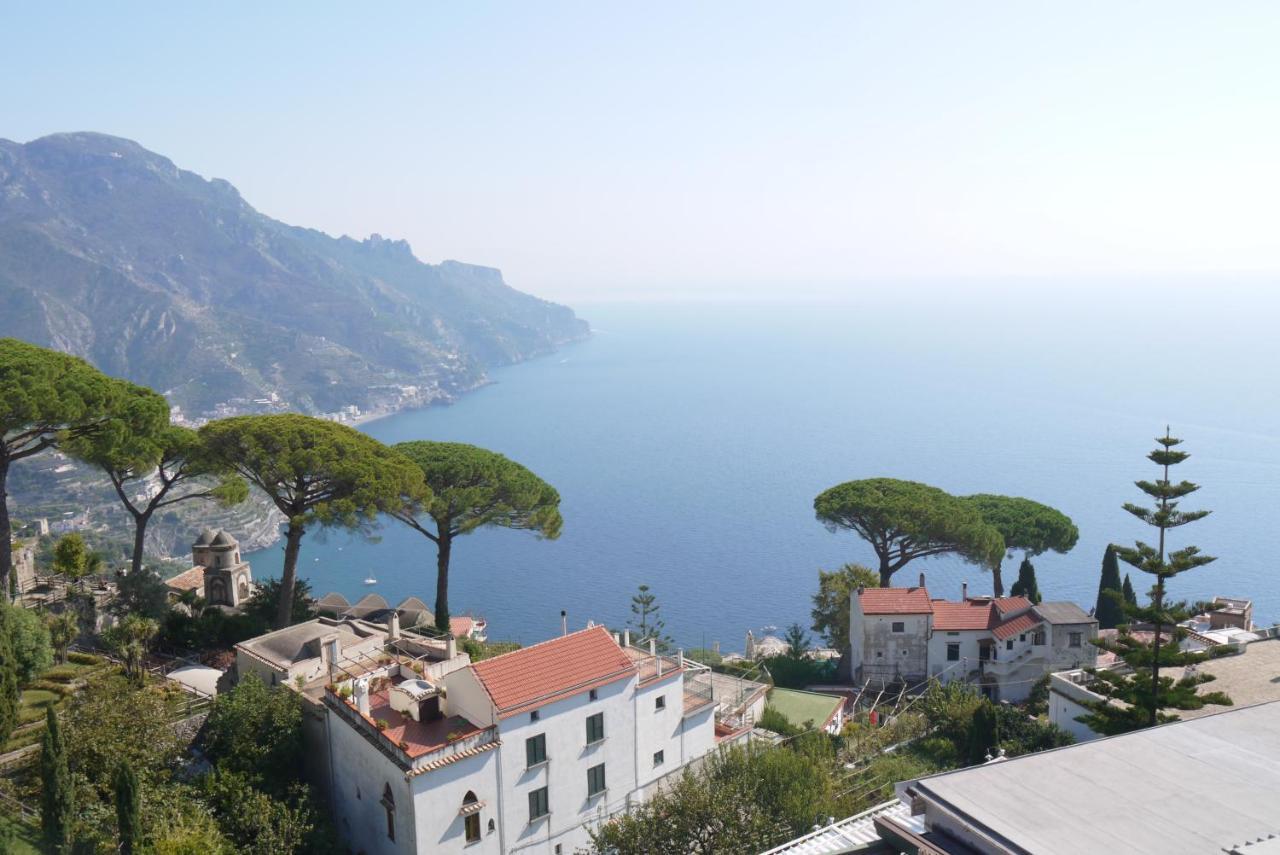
(471, 807)
(389, 805)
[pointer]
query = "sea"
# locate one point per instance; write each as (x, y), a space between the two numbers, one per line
(688, 440)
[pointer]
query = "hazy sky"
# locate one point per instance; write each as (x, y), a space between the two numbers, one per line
(604, 149)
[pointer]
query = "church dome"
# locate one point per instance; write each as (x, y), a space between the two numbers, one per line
(223, 539)
(205, 538)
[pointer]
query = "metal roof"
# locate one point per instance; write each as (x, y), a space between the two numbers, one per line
(1205, 785)
(847, 835)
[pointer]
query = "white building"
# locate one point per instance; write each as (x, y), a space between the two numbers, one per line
(519, 753)
(1002, 644)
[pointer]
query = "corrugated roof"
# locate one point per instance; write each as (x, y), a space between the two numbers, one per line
(1015, 625)
(553, 670)
(895, 601)
(1217, 776)
(848, 835)
(952, 617)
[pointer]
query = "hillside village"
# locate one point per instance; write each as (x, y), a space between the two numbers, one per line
(299, 722)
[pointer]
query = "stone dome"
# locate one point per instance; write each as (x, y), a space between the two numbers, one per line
(205, 538)
(223, 539)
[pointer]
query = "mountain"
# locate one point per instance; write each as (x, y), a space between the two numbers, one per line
(111, 252)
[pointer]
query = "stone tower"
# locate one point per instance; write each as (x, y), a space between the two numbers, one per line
(228, 581)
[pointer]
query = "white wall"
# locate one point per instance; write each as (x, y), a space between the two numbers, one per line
(658, 730)
(565, 771)
(438, 796)
(884, 651)
(968, 640)
(465, 696)
(360, 772)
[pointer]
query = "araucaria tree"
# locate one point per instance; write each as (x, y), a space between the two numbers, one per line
(1110, 606)
(471, 488)
(905, 520)
(1144, 693)
(49, 397)
(174, 455)
(57, 794)
(318, 473)
(646, 621)
(1025, 525)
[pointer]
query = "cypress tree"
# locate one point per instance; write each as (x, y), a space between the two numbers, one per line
(8, 676)
(57, 805)
(1026, 585)
(1110, 608)
(1129, 596)
(128, 817)
(1144, 693)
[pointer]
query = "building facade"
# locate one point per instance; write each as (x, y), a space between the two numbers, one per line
(523, 752)
(1002, 644)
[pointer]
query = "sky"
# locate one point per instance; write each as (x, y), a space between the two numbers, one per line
(599, 151)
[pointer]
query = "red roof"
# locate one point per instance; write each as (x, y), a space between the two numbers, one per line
(952, 617)
(1013, 626)
(1010, 605)
(895, 601)
(188, 580)
(553, 670)
(460, 626)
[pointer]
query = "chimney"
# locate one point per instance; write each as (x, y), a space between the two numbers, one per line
(393, 626)
(564, 622)
(626, 638)
(922, 580)
(617, 638)
(653, 646)
(964, 591)
(450, 647)
(680, 657)
(715, 647)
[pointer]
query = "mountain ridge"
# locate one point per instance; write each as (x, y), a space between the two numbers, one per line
(154, 273)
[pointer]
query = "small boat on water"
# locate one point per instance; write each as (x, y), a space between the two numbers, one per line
(370, 580)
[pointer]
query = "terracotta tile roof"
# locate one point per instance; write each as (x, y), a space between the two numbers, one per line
(895, 601)
(1013, 626)
(553, 670)
(952, 617)
(188, 580)
(460, 626)
(1010, 605)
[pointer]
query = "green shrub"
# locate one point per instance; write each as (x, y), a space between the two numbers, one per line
(84, 658)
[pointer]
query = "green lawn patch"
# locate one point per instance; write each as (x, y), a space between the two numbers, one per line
(18, 838)
(800, 707)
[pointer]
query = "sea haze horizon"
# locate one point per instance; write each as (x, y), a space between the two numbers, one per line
(688, 441)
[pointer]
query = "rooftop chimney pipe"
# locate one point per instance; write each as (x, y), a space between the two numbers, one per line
(964, 590)
(922, 580)
(564, 622)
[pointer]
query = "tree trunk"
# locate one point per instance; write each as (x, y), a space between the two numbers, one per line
(292, 545)
(1158, 598)
(6, 544)
(443, 546)
(886, 573)
(139, 540)
(997, 583)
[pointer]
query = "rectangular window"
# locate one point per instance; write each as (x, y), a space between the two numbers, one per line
(472, 827)
(1008, 645)
(657, 758)
(660, 702)
(953, 651)
(595, 780)
(593, 695)
(533, 716)
(538, 805)
(1022, 637)
(953, 634)
(595, 728)
(1038, 638)
(899, 626)
(535, 750)
(1074, 639)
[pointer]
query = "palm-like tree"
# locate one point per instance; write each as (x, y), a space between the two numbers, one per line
(64, 628)
(129, 640)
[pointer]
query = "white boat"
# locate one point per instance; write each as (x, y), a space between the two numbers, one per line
(370, 581)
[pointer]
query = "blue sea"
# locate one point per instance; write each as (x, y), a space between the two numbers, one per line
(688, 441)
